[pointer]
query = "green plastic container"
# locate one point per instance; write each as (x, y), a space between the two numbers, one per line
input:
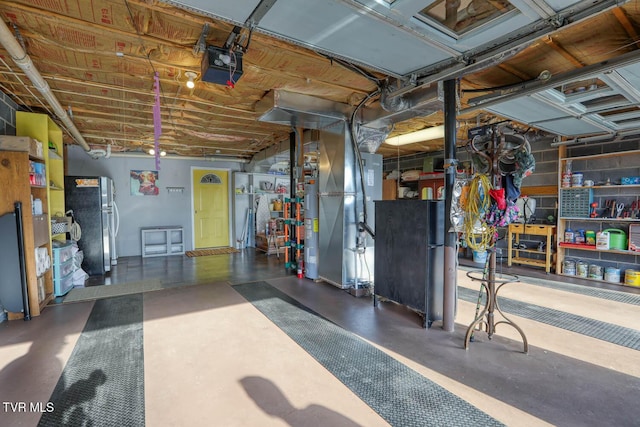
(617, 239)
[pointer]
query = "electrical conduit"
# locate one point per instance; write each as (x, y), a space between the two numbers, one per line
(23, 61)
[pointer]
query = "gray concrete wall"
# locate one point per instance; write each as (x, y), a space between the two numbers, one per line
(168, 208)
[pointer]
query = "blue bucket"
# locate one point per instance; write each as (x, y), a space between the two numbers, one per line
(480, 257)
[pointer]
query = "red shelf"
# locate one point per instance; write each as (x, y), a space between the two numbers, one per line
(577, 246)
(593, 248)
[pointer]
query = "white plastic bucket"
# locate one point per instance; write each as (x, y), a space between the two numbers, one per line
(612, 274)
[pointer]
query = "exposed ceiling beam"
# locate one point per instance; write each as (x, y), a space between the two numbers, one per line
(529, 88)
(623, 19)
(501, 49)
(562, 51)
(512, 70)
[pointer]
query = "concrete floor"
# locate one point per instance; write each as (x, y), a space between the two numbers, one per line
(211, 358)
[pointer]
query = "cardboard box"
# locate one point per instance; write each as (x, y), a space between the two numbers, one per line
(262, 242)
(41, 230)
(21, 143)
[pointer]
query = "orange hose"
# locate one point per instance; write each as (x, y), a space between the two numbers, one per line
(286, 232)
(297, 232)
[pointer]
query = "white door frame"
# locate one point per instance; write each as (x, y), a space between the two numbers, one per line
(193, 213)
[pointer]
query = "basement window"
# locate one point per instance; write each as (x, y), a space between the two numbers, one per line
(462, 16)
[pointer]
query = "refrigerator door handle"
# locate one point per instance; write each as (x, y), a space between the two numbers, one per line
(114, 225)
(117, 218)
(106, 241)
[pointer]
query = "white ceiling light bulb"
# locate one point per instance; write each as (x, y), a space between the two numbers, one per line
(152, 151)
(222, 59)
(163, 153)
(191, 76)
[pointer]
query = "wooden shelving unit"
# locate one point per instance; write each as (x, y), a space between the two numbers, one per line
(14, 175)
(599, 168)
(248, 191)
(41, 128)
(430, 182)
(522, 256)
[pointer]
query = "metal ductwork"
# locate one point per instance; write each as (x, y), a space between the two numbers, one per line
(345, 254)
(22, 60)
(420, 102)
(374, 122)
(369, 139)
(343, 258)
(298, 110)
(309, 112)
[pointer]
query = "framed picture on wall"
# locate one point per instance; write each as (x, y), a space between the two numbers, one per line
(144, 183)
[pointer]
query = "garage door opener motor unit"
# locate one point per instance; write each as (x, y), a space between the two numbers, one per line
(221, 66)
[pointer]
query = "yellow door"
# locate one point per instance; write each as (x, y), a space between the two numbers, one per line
(211, 208)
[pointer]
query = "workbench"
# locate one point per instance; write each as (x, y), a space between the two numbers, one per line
(524, 256)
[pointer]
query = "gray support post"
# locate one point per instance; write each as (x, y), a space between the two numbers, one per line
(450, 253)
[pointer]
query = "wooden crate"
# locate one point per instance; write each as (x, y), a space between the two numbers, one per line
(263, 243)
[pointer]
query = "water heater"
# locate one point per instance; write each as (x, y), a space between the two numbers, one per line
(311, 229)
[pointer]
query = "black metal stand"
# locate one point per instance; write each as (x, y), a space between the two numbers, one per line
(23, 271)
(486, 317)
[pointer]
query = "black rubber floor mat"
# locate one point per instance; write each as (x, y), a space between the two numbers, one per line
(608, 294)
(102, 384)
(604, 331)
(397, 393)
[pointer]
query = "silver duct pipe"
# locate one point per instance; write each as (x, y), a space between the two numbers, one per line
(175, 157)
(22, 60)
(419, 102)
(557, 142)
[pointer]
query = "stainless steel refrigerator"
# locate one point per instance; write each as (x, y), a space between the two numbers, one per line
(91, 198)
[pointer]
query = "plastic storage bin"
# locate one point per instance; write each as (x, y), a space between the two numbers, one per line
(62, 270)
(63, 285)
(62, 254)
